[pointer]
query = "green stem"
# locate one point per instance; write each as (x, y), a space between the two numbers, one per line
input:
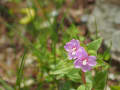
(96, 28)
(54, 52)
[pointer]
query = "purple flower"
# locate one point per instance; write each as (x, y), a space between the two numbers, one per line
(73, 48)
(85, 62)
(82, 59)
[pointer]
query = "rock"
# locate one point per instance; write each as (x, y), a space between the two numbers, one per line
(107, 16)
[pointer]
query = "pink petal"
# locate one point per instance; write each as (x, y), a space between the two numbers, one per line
(86, 68)
(84, 54)
(77, 63)
(92, 60)
(81, 53)
(68, 47)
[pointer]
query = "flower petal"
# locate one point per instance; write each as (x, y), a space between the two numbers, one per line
(75, 42)
(85, 68)
(84, 54)
(92, 60)
(72, 48)
(81, 53)
(68, 46)
(70, 57)
(77, 63)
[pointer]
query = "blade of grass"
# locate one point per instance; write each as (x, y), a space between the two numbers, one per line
(20, 71)
(96, 27)
(5, 85)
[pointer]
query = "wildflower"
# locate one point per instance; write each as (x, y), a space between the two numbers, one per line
(73, 48)
(85, 62)
(82, 59)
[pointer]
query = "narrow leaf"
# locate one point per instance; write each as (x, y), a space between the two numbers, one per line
(20, 71)
(94, 45)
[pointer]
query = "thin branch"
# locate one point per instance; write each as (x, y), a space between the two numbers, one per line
(83, 77)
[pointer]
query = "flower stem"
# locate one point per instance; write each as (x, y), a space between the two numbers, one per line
(83, 77)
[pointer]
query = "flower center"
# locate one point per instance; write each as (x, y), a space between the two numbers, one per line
(74, 49)
(84, 62)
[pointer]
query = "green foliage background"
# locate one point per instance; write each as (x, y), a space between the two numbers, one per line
(54, 70)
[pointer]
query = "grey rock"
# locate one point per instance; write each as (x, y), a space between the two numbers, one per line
(107, 15)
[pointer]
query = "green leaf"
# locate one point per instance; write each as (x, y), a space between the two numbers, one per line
(74, 75)
(106, 55)
(99, 81)
(65, 85)
(63, 67)
(92, 52)
(66, 68)
(81, 87)
(72, 31)
(94, 45)
(88, 86)
(89, 77)
(100, 63)
(17, 1)
(115, 87)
